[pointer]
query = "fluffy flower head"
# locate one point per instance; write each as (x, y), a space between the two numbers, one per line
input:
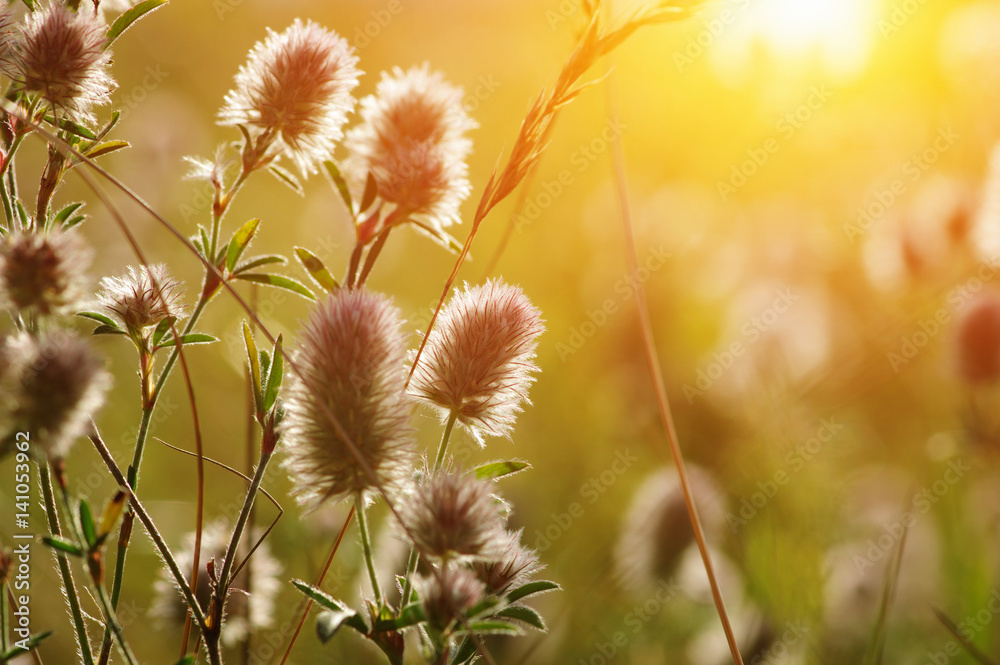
(62, 57)
(296, 85)
(514, 565)
(412, 140)
(454, 515)
(142, 298)
(44, 272)
(448, 594)
(352, 360)
(479, 359)
(50, 387)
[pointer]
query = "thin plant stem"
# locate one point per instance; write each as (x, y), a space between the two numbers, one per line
(414, 558)
(3, 618)
(653, 366)
(366, 545)
(112, 622)
(241, 522)
(150, 526)
(319, 582)
(82, 639)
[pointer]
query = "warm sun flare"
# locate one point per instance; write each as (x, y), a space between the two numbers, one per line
(838, 31)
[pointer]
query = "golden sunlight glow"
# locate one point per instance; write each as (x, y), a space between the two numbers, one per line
(838, 32)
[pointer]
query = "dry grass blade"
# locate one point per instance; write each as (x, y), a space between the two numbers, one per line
(594, 42)
(653, 365)
(877, 647)
(973, 650)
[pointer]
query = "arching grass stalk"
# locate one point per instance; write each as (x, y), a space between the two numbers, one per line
(414, 558)
(366, 546)
(653, 365)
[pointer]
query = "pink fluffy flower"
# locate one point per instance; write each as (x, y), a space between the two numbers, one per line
(479, 359)
(352, 363)
(296, 87)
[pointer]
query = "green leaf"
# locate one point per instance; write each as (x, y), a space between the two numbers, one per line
(340, 184)
(70, 223)
(494, 627)
(317, 270)
(354, 620)
(239, 242)
(186, 660)
(485, 607)
(32, 643)
(162, 329)
(329, 622)
(279, 281)
(492, 470)
(63, 215)
(530, 589)
(190, 338)
(371, 191)
(465, 652)
(287, 178)
(100, 318)
(125, 21)
(273, 377)
(525, 614)
(251, 345)
(204, 241)
(21, 212)
(258, 261)
(116, 115)
(74, 128)
(87, 523)
(63, 545)
(265, 368)
(411, 615)
(107, 148)
(30, 4)
(108, 330)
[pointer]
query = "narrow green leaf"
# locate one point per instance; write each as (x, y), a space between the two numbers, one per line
(341, 185)
(279, 281)
(128, 18)
(317, 270)
(21, 212)
(329, 622)
(108, 330)
(100, 318)
(287, 178)
(494, 627)
(354, 620)
(190, 338)
(265, 369)
(30, 4)
(186, 660)
(525, 614)
(371, 191)
(530, 589)
(274, 377)
(492, 470)
(258, 261)
(74, 128)
(465, 653)
(87, 523)
(251, 346)
(112, 122)
(239, 242)
(107, 148)
(411, 615)
(485, 607)
(204, 241)
(70, 223)
(65, 213)
(63, 545)
(162, 329)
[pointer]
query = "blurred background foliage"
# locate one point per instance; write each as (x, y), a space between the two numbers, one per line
(807, 180)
